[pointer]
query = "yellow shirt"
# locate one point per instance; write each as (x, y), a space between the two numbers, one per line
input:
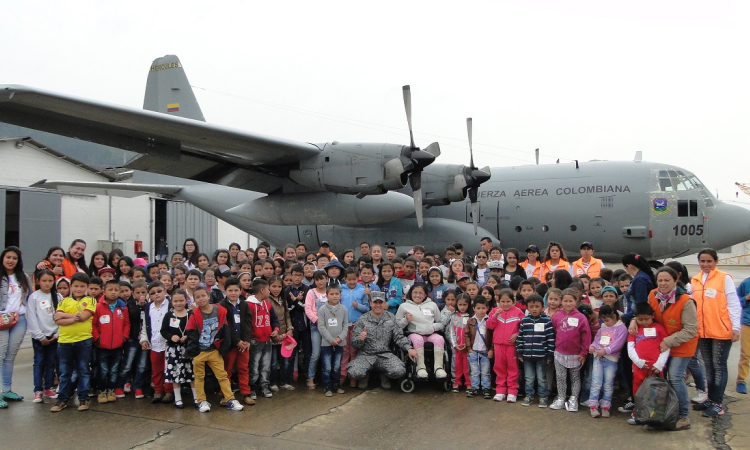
(79, 331)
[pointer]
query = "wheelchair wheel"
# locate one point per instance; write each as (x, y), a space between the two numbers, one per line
(446, 386)
(407, 386)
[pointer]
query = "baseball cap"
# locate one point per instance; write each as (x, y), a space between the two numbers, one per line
(225, 270)
(377, 296)
(587, 244)
(139, 262)
(325, 244)
(495, 265)
(532, 248)
(462, 275)
(104, 270)
(287, 346)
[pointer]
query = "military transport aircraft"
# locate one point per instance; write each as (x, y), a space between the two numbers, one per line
(286, 191)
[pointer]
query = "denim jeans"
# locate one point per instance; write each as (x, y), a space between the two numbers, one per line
(312, 363)
(281, 368)
(10, 342)
(603, 376)
(108, 361)
(697, 371)
(535, 370)
(74, 357)
(331, 356)
(715, 353)
(45, 359)
(676, 375)
(260, 364)
(479, 364)
(133, 356)
(586, 373)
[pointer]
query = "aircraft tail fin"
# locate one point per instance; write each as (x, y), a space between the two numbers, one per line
(168, 90)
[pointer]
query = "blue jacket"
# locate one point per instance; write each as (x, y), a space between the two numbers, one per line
(534, 344)
(638, 292)
(436, 295)
(742, 292)
(350, 295)
(394, 295)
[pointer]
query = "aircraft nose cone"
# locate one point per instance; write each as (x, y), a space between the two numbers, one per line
(728, 225)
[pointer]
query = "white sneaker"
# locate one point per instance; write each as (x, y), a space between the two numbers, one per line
(511, 398)
(499, 397)
(234, 405)
(127, 387)
(204, 407)
(559, 403)
(585, 403)
(699, 397)
(572, 404)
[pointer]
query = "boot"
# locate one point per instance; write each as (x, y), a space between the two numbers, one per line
(385, 382)
(440, 373)
(421, 369)
(363, 382)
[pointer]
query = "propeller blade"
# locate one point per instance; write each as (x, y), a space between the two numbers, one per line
(407, 106)
(475, 215)
(469, 128)
(418, 207)
(433, 149)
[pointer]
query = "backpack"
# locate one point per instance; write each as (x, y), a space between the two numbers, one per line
(656, 403)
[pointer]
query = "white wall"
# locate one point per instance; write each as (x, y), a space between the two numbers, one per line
(229, 233)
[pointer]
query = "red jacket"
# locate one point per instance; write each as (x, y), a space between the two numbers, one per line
(111, 329)
(505, 325)
(193, 329)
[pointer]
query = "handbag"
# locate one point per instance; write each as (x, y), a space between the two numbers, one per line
(8, 320)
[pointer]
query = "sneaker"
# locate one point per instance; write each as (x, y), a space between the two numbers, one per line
(111, 396)
(572, 404)
(340, 391)
(741, 387)
(178, 404)
(605, 413)
(11, 396)
(3, 404)
(223, 402)
(249, 400)
(471, 393)
(632, 421)
(559, 403)
(328, 393)
(157, 397)
(234, 405)
(274, 388)
(59, 406)
(385, 382)
(543, 402)
(139, 393)
(487, 394)
(37, 397)
(512, 398)
(682, 424)
(168, 398)
(102, 398)
(289, 387)
(715, 410)
(455, 389)
(595, 412)
(267, 393)
(629, 406)
(703, 406)
(527, 401)
(49, 393)
(700, 396)
(253, 395)
(127, 389)
(119, 393)
(204, 407)
(498, 397)
(585, 403)
(83, 405)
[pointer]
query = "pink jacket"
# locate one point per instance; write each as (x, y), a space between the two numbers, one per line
(312, 302)
(505, 325)
(572, 333)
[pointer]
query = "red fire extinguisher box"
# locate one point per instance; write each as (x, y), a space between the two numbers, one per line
(137, 247)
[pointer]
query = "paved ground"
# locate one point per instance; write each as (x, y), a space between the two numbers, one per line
(427, 418)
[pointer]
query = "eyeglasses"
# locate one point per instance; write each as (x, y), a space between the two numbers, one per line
(158, 291)
(481, 257)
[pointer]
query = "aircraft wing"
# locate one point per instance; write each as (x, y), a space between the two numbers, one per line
(183, 141)
(126, 190)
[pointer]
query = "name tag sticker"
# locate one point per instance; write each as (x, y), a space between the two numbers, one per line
(439, 295)
(711, 293)
(465, 320)
(236, 318)
(333, 322)
(649, 332)
(104, 319)
(507, 277)
(605, 340)
(174, 323)
(579, 271)
(573, 321)
(427, 312)
(538, 327)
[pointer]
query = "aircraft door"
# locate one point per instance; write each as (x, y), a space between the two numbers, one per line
(469, 219)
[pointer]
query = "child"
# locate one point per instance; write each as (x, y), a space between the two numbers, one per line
(179, 367)
(479, 352)
(281, 367)
(265, 328)
(208, 337)
(295, 296)
(436, 286)
(588, 368)
(74, 316)
(644, 348)
(421, 317)
(111, 329)
(356, 301)
(536, 349)
(606, 347)
(106, 274)
(504, 321)
(192, 281)
(96, 289)
(595, 288)
(458, 314)
(554, 302)
(63, 287)
(134, 354)
(367, 276)
(391, 286)
(572, 341)
(335, 272)
(241, 327)
(151, 339)
(472, 288)
(308, 270)
(316, 297)
(40, 310)
(332, 324)
(408, 275)
(167, 280)
(525, 289)
(609, 298)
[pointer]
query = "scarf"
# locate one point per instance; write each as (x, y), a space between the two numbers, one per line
(665, 299)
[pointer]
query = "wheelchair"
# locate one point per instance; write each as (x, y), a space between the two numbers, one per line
(408, 384)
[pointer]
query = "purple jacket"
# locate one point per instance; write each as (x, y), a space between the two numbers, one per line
(611, 339)
(572, 333)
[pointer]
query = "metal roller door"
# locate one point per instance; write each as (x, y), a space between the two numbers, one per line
(39, 224)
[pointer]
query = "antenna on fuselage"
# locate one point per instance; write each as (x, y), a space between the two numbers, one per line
(638, 156)
(537, 156)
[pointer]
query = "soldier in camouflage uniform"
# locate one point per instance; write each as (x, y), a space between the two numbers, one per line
(373, 335)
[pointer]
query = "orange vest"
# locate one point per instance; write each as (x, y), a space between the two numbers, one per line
(69, 269)
(595, 266)
(671, 320)
(711, 302)
(547, 267)
(537, 269)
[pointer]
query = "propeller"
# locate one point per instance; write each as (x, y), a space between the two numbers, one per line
(471, 178)
(413, 160)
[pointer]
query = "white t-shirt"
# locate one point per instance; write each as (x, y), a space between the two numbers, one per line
(15, 293)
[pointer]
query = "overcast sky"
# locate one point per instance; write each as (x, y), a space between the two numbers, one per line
(578, 79)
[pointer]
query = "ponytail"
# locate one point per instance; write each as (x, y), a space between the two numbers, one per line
(641, 263)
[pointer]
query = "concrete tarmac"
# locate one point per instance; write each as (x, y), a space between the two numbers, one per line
(427, 418)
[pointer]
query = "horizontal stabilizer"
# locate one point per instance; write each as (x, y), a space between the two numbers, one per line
(126, 190)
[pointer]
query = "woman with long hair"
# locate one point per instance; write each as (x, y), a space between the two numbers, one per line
(75, 261)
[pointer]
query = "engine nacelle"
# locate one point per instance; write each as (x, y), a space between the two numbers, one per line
(439, 186)
(326, 208)
(352, 169)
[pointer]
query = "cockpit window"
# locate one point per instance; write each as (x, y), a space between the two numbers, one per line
(677, 180)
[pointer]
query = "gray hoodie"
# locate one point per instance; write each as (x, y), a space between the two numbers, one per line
(40, 310)
(425, 317)
(332, 324)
